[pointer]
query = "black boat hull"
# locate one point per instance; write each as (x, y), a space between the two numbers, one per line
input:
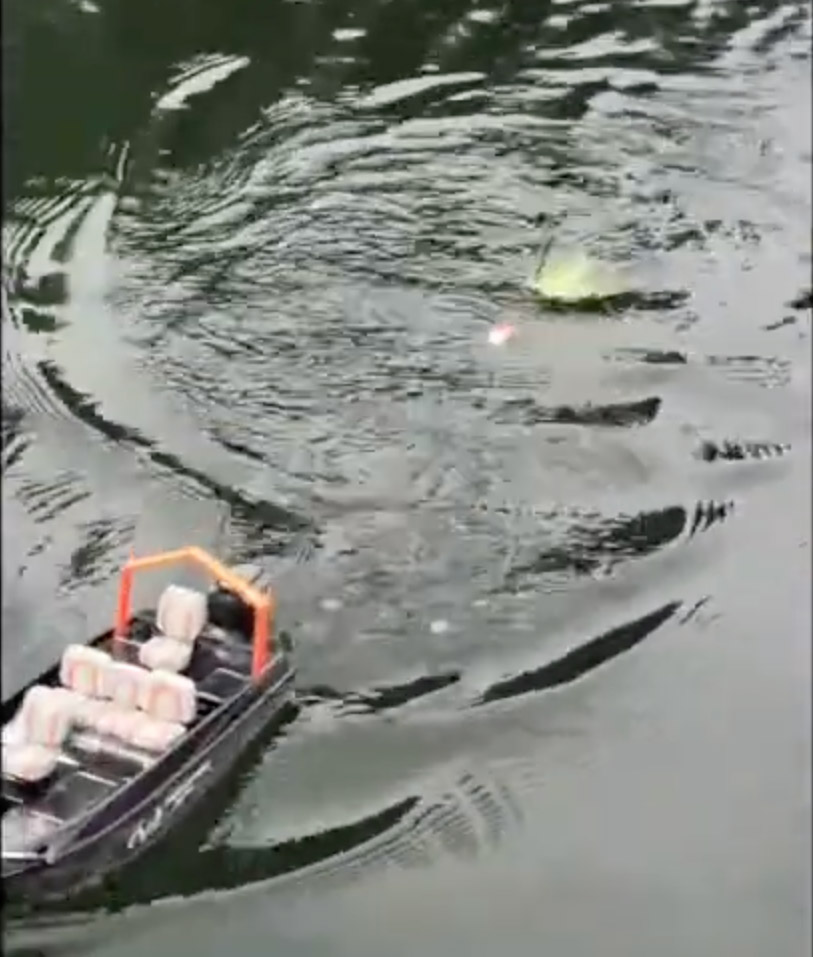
(146, 813)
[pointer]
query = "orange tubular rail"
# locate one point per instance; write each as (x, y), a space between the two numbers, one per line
(262, 603)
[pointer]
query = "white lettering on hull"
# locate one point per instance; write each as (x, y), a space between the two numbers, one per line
(153, 822)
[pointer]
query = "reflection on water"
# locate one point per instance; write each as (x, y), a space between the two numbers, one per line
(252, 254)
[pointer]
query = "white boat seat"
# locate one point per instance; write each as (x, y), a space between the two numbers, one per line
(123, 683)
(180, 618)
(123, 725)
(33, 739)
(161, 653)
(103, 717)
(181, 612)
(82, 669)
(146, 710)
(150, 734)
(169, 697)
(87, 712)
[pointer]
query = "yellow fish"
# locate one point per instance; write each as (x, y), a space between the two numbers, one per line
(572, 276)
(575, 276)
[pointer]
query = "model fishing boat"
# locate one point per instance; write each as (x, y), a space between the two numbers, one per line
(108, 750)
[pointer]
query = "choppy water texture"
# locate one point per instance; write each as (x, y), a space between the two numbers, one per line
(551, 601)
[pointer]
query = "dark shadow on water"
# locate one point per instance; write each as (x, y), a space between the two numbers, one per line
(14, 438)
(114, 60)
(581, 660)
(804, 300)
(658, 357)
(377, 700)
(468, 817)
(263, 515)
(663, 300)
(735, 451)
(610, 414)
(599, 546)
(224, 868)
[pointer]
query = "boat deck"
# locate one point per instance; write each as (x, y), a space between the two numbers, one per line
(220, 667)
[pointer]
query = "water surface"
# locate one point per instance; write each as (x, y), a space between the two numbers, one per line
(551, 601)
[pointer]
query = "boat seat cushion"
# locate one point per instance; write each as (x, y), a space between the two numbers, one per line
(170, 697)
(44, 717)
(130, 727)
(165, 703)
(32, 740)
(123, 683)
(103, 717)
(30, 763)
(88, 711)
(161, 653)
(151, 734)
(181, 613)
(82, 669)
(180, 618)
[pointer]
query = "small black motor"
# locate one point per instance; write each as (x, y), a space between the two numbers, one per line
(227, 610)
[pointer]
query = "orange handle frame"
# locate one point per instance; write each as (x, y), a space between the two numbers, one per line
(262, 603)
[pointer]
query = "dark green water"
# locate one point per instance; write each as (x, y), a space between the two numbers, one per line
(551, 601)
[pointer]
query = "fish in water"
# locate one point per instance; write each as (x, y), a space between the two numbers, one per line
(573, 276)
